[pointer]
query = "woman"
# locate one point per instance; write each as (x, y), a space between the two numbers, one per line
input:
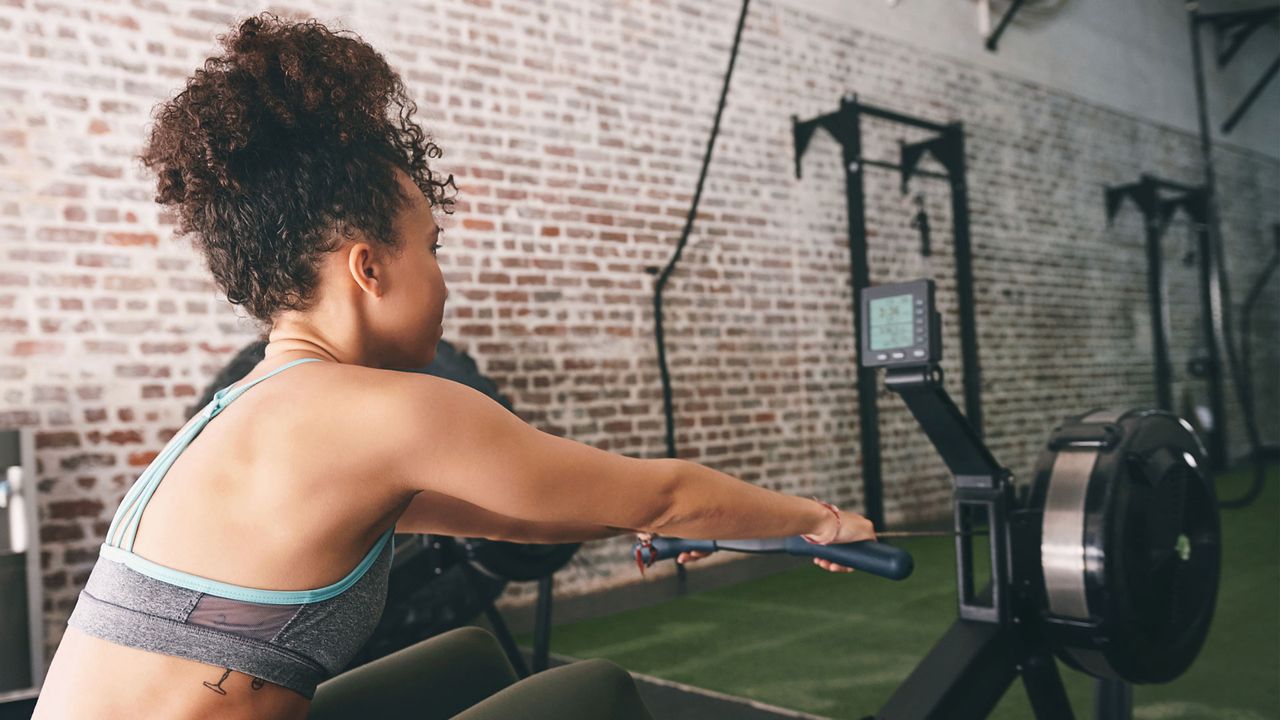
(259, 565)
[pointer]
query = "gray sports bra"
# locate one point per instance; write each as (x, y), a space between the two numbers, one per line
(294, 638)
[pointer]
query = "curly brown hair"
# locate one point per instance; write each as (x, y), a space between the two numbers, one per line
(280, 148)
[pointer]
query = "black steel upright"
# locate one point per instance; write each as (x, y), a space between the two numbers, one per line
(1159, 200)
(946, 146)
(1160, 326)
(1145, 194)
(860, 277)
(1232, 29)
(993, 642)
(951, 154)
(1213, 273)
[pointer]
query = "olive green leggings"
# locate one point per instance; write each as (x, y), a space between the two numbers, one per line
(463, 674)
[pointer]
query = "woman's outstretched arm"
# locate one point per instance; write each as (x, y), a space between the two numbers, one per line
(438, 514)
(432, 434)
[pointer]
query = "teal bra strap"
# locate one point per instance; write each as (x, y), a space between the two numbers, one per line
(155, 473)
(223, 397)
(127, 505)
(129, 516)
(140, 494)
(244, 594)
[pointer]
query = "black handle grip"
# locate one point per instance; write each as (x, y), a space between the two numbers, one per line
(665, 548)
(876, 558)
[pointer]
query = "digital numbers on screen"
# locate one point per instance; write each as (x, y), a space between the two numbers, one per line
(891, 325)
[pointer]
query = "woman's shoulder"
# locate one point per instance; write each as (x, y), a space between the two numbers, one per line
(346, 381)
(360, 401)
(354, 385)
(386, 424)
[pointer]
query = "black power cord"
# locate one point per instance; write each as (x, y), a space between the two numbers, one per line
(665, 273)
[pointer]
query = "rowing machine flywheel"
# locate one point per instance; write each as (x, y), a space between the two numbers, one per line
(1129, 543)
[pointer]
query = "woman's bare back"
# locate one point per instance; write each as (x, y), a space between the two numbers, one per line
(263, 497)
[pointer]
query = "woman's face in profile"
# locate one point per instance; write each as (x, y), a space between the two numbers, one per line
(414, 304)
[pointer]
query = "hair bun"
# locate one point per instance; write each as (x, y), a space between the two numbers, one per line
(311, 83)
(292, 133)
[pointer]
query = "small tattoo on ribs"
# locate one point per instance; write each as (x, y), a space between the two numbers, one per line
(217, 687)
(257, 683)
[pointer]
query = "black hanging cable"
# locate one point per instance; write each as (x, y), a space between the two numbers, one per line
(1261, 452)
(684, 237)
(1251, 301)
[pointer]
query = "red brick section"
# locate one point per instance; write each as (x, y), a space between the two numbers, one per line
(576, 135)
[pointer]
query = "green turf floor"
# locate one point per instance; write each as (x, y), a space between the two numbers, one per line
(837, 645)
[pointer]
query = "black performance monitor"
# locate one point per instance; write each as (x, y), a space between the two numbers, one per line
(900, 325)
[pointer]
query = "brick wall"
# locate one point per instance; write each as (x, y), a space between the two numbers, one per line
(576, 130)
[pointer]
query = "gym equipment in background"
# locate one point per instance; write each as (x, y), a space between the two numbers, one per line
(21, 581)
(1262, 453)
(1159, 200)
(1129, 543)
(439, 582)
(1231, 28)
(946, 146)
(1108, 560)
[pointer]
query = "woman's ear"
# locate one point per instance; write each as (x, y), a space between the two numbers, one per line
(362, 263)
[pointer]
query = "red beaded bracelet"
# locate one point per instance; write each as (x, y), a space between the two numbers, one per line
(834, 510)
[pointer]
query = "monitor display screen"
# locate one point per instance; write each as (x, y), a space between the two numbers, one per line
(891, 324)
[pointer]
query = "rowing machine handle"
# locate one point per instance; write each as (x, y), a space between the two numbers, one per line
(876, 558)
